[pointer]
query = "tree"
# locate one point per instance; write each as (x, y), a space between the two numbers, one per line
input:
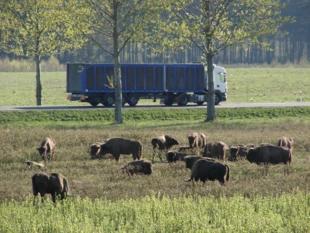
(216, 25)
(37, 28)
(114, 23)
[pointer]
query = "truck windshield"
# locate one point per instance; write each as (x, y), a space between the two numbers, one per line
(222, 77)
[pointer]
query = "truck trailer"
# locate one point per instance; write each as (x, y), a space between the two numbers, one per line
(171, 83)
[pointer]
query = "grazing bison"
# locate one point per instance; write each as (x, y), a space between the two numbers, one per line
(54, 184)
(173, 156)
(161, 143)
(138, 167)
(47, 149)
(118, 146)
(204, 170)
(190, 160)
(34, 164)
(215, 150)
(197, 140)
(270, 155)
(243, 150)
(286, 142)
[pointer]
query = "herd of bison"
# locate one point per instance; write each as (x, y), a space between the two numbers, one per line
(203, 164)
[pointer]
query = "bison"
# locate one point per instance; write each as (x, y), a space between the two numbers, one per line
(138, 167)
(215, 150)
(204, 170)
(161, 143)
(173, 156)
(54, 184)
(286, 142)
(118, 146)
(197, 140)
(270, 155)
(47, 149)
(190, 160)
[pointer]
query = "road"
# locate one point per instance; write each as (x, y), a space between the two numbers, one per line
(221, 105)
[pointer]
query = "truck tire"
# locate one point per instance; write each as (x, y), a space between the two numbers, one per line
(217, 99)
(183, 99)
(133, 99)
(109, 100)
(200, 103)
(168, 100)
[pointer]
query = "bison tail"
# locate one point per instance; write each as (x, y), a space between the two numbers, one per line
(227, 172)
(290, 157)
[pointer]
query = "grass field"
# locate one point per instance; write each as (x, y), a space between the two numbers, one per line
(105, 200)
(256, 85)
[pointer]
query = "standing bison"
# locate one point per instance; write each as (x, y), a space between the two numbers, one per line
(205, 170)
(54, 184)
(270, 155)
(47, 149)
(286, 142)
(163, 143)
(118, 146)
(197, 140)
(138, 167)
(215, 150)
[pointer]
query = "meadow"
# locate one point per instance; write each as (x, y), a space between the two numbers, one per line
(106, 200)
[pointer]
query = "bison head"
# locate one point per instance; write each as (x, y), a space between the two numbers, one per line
(94, 150)
(192, 139)
(170, 142)
(251, 155)
(42, 151)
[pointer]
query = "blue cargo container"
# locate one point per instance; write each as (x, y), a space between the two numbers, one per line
(172, 83)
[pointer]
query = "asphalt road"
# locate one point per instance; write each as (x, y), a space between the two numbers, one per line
(88, 107)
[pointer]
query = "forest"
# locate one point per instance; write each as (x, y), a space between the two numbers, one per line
(290, 45)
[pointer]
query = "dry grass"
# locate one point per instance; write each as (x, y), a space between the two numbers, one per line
(102, 178)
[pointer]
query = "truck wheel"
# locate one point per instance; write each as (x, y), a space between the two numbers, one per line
(183, 99)
(200, 103)
(133, 100)
(109, 100)
(217, 99)
(168, 100)
(94, 103)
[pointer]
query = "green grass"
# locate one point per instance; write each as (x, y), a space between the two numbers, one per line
(244, 85)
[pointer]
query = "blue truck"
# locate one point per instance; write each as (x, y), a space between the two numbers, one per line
(171, 83)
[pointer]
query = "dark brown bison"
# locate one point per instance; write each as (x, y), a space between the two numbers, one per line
(197, 140)
(270, 155)
(54, 184)
(138, 167)
(174, 156)
(47, 149)
(118, 146)
(163, 143)
(215, 150)
(190, 160)
(286, 142)
(204, 170)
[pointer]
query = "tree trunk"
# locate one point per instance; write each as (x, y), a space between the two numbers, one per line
(38, 80)
(210, 105)
(117, 69)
